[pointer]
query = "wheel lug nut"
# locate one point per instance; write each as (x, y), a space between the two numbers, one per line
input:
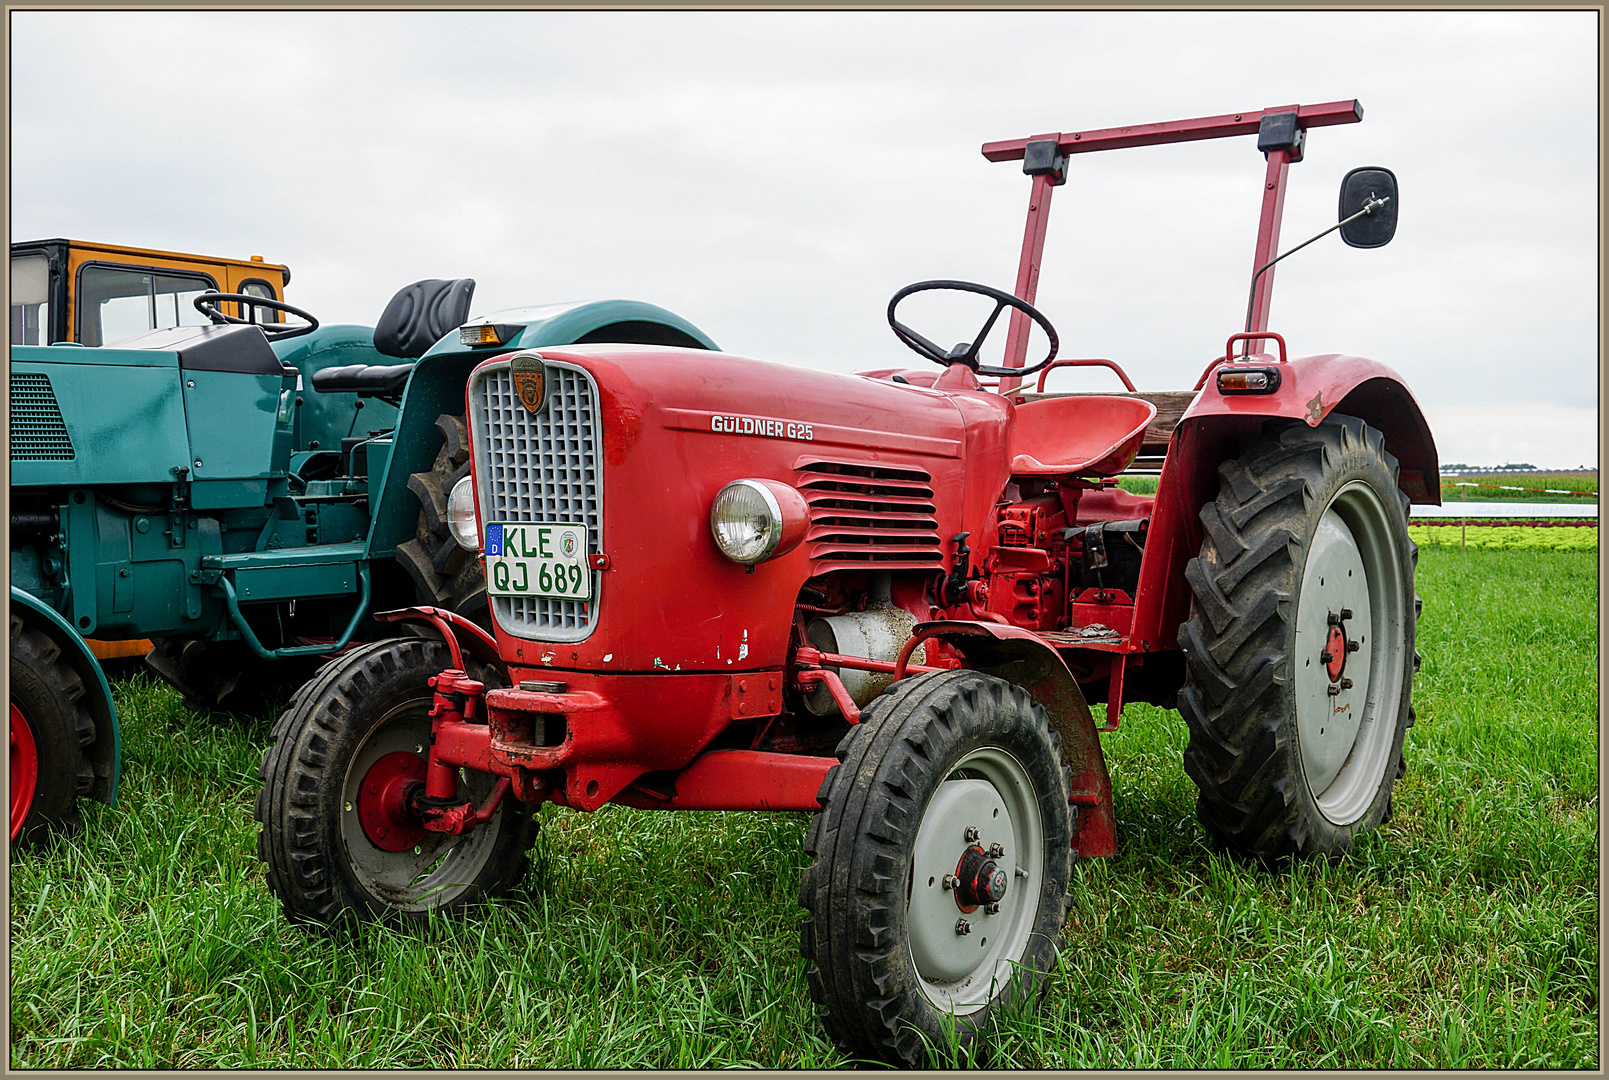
(1325, 657)
(996, 850)
(1351, 646)
(1333, 689)
(972, 834)
(962, 927)
(1346, 684)
(950, 881)
(993, 909)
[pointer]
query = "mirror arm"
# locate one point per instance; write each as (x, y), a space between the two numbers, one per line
(1368, 208)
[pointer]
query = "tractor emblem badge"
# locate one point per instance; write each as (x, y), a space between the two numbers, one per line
(529, 381)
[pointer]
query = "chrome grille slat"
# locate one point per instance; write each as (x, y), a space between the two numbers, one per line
(542, 467)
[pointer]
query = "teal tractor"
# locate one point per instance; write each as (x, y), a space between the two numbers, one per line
(245, 493)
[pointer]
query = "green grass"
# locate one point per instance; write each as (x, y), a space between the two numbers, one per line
(1138, 485)
(1463, 935)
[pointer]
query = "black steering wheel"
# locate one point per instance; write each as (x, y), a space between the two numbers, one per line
(965, 353)
(207, 304)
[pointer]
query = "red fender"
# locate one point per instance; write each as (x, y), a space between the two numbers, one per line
(1311, 388)
(1027, 660)
(464, 634)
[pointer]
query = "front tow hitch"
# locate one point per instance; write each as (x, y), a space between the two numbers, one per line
(436, 803)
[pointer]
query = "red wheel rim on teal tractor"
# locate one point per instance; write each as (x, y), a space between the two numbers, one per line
(24, 769)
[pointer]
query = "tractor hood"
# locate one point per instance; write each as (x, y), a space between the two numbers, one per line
(635, 443)
(552, 324)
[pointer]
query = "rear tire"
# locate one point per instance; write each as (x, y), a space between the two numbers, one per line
(48, 716)
(897, 962)
(323, 863)
(444, 574)
(1299, 648)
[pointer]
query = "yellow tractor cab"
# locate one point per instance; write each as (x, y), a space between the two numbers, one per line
(98, 294)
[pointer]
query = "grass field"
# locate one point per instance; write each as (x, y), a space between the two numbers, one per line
(1451, 536)
(1464, 935)
(1491, 489)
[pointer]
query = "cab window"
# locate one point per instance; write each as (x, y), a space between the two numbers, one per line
(30, 300)
(119, 302)
(266, 291)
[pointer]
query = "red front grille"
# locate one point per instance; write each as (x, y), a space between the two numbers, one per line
(870, 515)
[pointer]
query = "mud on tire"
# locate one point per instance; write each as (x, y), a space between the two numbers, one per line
(49, 694)
(872, 911)
(1275, 779)
(320, 864)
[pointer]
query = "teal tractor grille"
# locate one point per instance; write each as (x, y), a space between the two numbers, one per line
(37, 430)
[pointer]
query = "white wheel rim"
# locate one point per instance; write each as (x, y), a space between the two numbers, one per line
(440, 867)
(1346, 725)
(990, 791)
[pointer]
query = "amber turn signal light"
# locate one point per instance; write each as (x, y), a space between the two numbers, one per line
(1248, 380)
(488, 333)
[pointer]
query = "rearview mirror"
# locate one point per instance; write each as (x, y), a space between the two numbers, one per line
(1359, 188)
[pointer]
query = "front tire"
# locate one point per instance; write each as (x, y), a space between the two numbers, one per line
(51, 732)
(941, 769)
(1299, 649)
(332, 852)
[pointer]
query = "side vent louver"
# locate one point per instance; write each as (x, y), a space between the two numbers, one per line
(869, 515)
(37, 430)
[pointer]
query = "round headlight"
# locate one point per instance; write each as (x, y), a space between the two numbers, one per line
(746, 521)
(461, 515)
(755, 520)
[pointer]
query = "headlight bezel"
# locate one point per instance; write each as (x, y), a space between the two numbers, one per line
(787, 516)
(462, 496)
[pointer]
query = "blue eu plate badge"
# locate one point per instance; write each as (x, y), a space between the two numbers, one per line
(494, 539)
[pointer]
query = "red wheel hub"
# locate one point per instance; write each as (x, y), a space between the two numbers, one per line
(1335, 653)
(383, 801)
(979, 880)
(24, 769)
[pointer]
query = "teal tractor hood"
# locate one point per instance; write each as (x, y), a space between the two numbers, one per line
(571, 323)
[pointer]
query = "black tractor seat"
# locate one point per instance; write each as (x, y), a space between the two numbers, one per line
(365, 380)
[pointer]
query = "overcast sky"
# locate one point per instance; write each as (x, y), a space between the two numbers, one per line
(775, 176)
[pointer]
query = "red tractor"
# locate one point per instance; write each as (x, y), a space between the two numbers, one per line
(885, 599)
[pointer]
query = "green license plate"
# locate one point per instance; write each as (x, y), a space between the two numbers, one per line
(538, 558)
